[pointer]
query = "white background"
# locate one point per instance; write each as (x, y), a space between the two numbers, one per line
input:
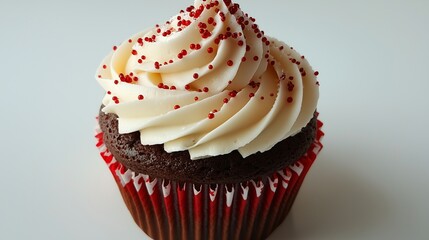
(370, 182)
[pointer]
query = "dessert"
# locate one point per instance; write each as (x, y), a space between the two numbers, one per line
(208, 125)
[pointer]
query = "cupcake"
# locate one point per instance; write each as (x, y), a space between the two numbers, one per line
(208, 126)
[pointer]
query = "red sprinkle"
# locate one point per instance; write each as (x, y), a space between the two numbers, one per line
(134, 52)
(210, 67)
(140, 41)
(230, 63)
(251, 95)
(211, 115)
(210, 50)
(255, 58)
(114, 48)
(196, 98)
(225, 100)
(222, 16)
(233, 93)
(205, 89)
(196, 76)
(316, 73)
(104, 66)
(290, 86)
(187, 87)
(140, 97)
(202, 25)
(176, 107)
(289, 99)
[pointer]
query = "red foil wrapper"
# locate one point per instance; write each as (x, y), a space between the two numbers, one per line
(249, 210)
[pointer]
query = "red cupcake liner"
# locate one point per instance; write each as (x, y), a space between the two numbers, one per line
(250, 210)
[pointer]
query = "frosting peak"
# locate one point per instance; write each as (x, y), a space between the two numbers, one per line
(208, 81)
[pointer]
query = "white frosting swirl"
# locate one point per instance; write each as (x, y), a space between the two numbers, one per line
(208, 81)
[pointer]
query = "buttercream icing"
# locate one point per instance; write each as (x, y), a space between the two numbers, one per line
(210, 82)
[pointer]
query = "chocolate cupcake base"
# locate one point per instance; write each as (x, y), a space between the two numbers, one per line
(177, 166)
(168, 209)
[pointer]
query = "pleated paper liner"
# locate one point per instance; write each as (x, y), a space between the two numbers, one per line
(249, 210)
